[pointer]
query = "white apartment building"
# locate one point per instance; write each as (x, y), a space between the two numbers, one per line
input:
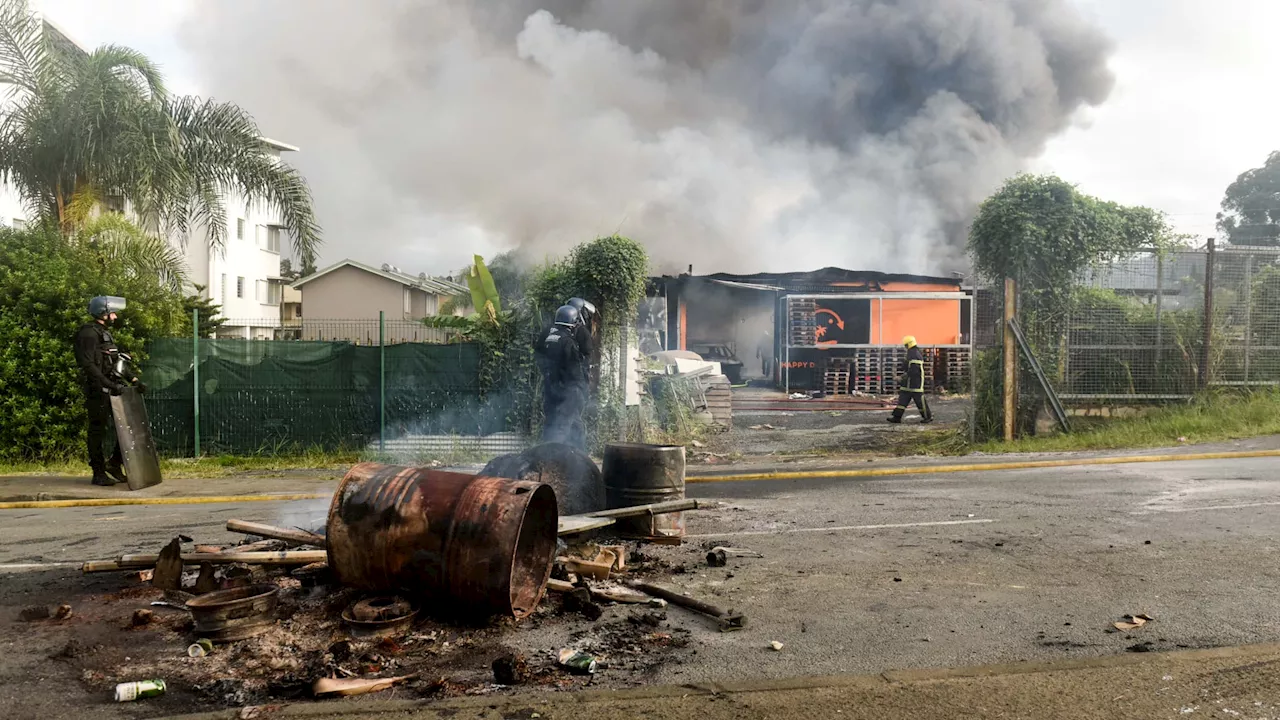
(244, 275)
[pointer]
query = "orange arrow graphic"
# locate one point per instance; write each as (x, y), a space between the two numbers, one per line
(832, 313)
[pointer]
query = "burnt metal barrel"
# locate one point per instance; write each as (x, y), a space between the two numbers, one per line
(640, 474)
(470, 545)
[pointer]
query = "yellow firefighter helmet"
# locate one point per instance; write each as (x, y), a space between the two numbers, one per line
(909, 341)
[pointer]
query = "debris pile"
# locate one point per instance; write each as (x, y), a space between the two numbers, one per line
(375, 599)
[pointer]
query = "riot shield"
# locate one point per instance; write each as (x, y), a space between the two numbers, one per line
(133, 432)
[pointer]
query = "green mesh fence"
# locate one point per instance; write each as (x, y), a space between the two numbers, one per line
(270, 397)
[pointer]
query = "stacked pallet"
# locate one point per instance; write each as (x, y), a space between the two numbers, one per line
(804, 321)
(719, 399)
(836, 379)
(957, 364)
(866, 371)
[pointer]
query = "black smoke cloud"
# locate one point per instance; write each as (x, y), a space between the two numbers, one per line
(743, 135)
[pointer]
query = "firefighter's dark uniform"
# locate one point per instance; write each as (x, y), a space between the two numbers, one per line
(94, 348)
(912, 388)
(565, 373)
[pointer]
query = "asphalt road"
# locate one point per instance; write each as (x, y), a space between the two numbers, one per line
(858, 576)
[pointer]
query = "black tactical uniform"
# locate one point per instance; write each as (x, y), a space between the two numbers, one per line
(912, 388)
(565, 372)
(95, 353)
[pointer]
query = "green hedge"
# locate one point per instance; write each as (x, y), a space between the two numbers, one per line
(45, 285)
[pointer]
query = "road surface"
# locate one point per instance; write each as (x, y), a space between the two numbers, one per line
(858, 576)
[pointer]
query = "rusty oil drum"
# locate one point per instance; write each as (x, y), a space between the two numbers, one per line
(471, 545)
(639, 474)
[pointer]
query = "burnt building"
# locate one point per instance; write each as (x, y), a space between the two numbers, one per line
(833, 330)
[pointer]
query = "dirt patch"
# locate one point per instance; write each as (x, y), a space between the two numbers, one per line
(101, 645)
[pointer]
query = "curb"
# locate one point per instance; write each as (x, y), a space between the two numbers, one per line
(192, 500)
(977, 467)
(446, 708)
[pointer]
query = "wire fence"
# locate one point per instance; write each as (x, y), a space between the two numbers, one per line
(358, 331)
(1149, 328)
(268, 394)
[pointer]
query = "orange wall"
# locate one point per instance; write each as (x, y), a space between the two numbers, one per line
(933, 322)
(918, 287)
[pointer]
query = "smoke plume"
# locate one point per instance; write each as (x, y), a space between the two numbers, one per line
(745, 135)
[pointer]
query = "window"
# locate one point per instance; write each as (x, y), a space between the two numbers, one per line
(222, 296)
(239, 228)
(19, 223)
(273, 293)
(260, 290)
(273, 238)
(259, 234)
(408, 302)
(240, 287)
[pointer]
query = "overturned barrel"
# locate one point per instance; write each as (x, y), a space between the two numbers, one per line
(472, 545)
(640, 474)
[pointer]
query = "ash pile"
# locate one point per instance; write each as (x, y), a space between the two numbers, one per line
(541, 570)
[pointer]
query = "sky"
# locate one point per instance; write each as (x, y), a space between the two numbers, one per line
(1194, 103)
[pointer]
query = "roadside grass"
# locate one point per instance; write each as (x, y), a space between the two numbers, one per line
(214, 466)
(1212, 417)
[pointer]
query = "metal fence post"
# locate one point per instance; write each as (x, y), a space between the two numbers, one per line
(382, 381)
(1010, 360)
(1248, 313)
(1206, 352)
(1155, 365)
(195, 378)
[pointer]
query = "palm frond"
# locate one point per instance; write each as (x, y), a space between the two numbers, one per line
(222, 146)
(139, 252)
(23, 50)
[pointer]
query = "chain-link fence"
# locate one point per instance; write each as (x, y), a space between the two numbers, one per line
(266, 394)
(1153, 327)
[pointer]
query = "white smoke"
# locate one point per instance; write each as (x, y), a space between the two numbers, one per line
(745, 136)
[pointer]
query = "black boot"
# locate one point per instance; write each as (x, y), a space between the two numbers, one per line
(925, 420)
(100, 478)
(116, 472)
(894, 419)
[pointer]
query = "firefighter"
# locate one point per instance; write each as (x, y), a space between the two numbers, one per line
(911, 383)
(96, 354)
(565, 372)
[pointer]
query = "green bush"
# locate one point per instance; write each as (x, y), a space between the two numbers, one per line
(45, 285)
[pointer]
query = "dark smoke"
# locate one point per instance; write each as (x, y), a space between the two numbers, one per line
(733, 135)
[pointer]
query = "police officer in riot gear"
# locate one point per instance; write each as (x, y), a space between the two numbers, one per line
(102, 375)
(911, 387)
(582, 333)
(565, 373)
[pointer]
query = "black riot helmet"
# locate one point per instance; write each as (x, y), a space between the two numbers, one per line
(568, 316)
(586, 310)
(102, 306)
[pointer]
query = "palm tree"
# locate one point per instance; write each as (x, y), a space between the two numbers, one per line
(79, 129)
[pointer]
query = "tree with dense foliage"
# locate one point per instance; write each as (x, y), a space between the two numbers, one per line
(45, 286)
(84, 130)
(1043, 232)
(210, 312)
(1251, 208)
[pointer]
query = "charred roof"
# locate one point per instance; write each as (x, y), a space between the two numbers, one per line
(827, 279)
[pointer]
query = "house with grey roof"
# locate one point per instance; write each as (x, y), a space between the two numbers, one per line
(343, 301)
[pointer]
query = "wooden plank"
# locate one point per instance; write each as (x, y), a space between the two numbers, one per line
(573, 524)
(293, 535)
